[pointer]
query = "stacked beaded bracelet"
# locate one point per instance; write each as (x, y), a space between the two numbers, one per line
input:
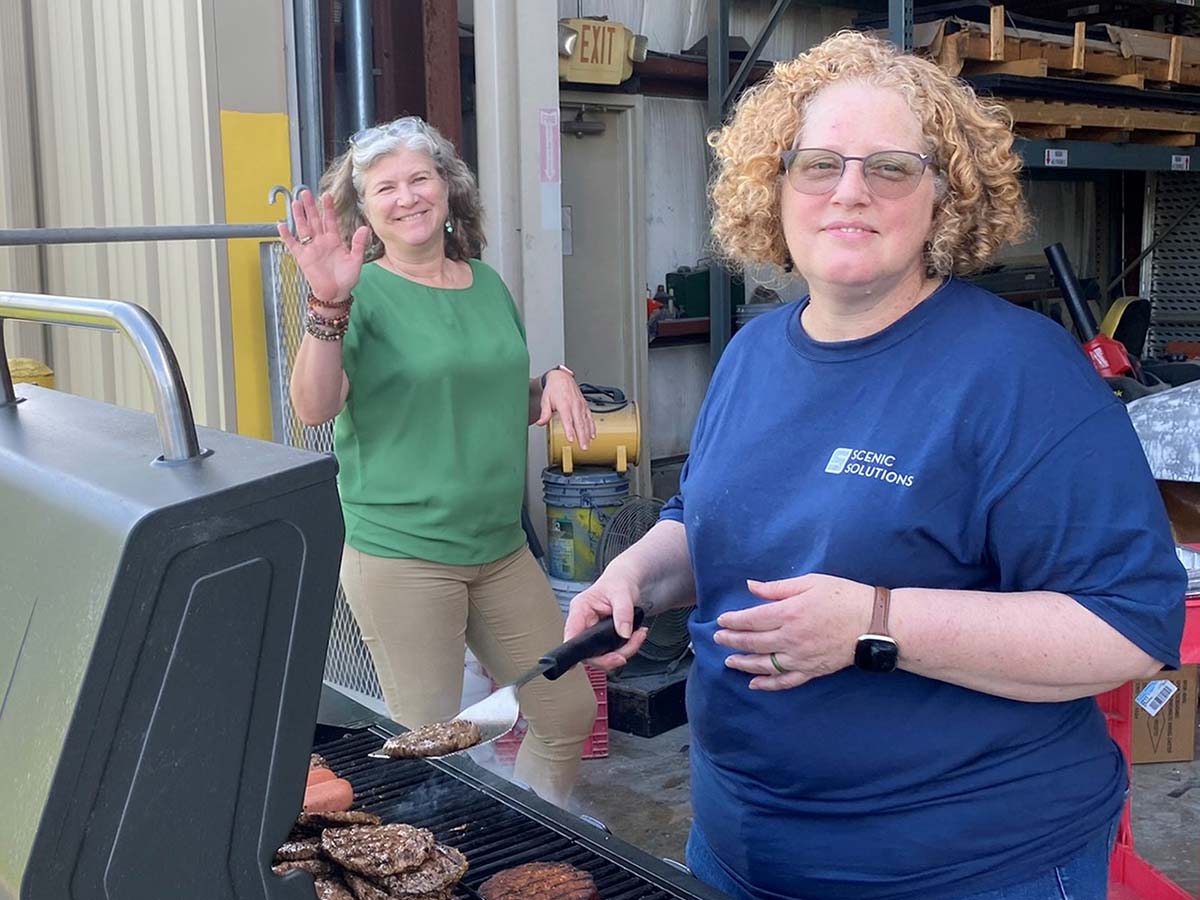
(328, 328)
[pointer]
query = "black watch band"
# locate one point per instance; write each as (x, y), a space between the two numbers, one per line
(558, 368)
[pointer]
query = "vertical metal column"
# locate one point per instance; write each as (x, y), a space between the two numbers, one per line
(308, 74)
(719, 313)
(360, 66)
(520, 177)
(900, 23)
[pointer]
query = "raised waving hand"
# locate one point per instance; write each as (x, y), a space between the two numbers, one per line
(329, 266)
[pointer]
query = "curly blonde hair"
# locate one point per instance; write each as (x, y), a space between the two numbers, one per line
(980, 208)
(344, 178)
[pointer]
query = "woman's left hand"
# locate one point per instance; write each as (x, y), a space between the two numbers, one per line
(810, 625)
(562, 395)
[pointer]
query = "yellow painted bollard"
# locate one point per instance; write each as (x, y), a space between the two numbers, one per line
(31, 371)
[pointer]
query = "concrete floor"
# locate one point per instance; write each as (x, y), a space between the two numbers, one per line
(1166, 820)
(640, 791)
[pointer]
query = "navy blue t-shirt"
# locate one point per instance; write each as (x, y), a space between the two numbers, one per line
(968, 446)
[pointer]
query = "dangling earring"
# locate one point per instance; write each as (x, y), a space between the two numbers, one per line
(449, 227)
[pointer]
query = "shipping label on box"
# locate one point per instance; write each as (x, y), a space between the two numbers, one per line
(1164, 717)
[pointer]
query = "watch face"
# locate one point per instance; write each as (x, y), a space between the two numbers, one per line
(876, 653)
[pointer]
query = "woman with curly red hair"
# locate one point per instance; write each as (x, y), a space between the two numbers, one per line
(919, 530)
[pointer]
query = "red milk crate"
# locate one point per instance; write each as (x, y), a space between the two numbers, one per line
(1129, 876)
(596, 745)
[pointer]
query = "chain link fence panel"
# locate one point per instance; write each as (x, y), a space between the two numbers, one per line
(347, 662)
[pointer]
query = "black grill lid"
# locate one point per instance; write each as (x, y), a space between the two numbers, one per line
(160, 661)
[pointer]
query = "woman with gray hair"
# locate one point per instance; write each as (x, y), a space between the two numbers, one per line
(418, 351)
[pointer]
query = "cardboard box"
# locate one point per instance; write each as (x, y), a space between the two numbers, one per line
(1169, 735)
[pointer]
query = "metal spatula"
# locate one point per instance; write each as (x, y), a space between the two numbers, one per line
(497, 713)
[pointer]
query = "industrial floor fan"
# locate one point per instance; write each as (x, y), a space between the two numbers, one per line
(668, 642)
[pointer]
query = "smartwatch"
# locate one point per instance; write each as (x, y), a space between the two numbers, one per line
(559, 368)
(877, 651)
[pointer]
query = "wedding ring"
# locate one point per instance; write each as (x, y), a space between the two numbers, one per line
(778, 668)
(306, 240)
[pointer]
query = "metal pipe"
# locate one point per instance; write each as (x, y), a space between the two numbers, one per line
(359, 65)
(718, 81)
(35, 131)
(172, 408)
(8, 396)
(19, 237)
(308, 71)
(743, 72)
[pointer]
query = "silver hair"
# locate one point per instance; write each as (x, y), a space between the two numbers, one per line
(407, 133)
(345, 178)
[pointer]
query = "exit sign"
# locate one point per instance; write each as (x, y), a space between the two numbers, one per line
(602, 54)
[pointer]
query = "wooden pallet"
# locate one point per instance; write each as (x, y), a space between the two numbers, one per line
(1104, 135)
(1129, 57)
(1119, 118)
(1114, 125)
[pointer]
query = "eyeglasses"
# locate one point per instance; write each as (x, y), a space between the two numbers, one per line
(890, 174)
(367, 136)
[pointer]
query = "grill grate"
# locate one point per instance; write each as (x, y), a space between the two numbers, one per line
(494, 834)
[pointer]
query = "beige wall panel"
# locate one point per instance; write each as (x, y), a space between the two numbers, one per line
(253, 69)
(126, 139)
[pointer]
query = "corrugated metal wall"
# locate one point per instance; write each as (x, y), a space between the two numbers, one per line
(675, 25)
(126, 134)
(676, 207)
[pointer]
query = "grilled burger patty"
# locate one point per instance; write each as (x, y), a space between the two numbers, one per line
(377, 851)
(314, 867)
(315, 823)
(436, 739)
(369, 861)
(303, 848)
(540, 881)
(444, 868)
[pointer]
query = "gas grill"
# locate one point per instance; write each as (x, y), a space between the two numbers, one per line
(166, 597)
(496, 824)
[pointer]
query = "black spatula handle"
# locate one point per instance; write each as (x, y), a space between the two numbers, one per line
(601, 638)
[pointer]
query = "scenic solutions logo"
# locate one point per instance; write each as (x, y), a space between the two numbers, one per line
(867, 464)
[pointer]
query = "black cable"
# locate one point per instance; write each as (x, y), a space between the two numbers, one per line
(602, 398)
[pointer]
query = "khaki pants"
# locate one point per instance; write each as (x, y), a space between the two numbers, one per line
(416, 616)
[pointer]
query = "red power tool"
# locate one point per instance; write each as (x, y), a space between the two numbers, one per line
(1108, 356)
